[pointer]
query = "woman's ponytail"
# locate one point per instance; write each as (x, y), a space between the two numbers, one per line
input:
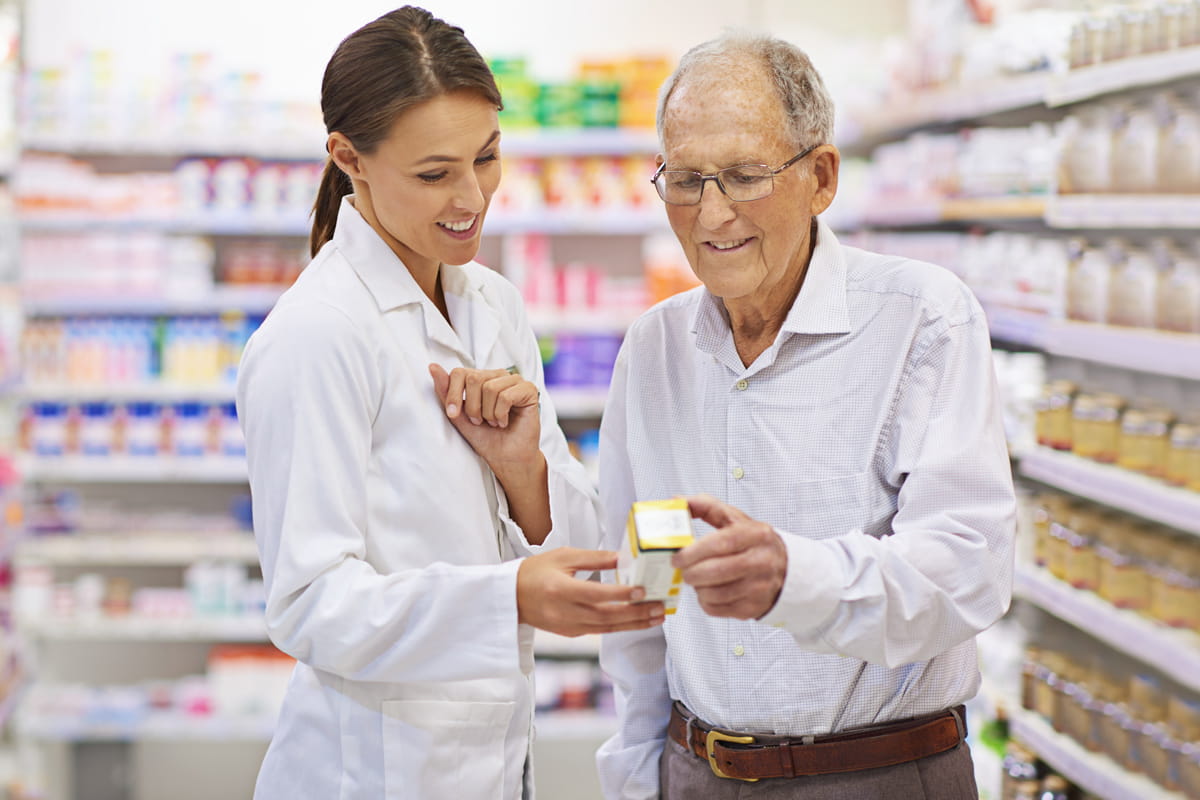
(335, 185)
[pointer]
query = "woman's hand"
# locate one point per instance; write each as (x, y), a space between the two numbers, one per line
(550, 597)
(496, 411)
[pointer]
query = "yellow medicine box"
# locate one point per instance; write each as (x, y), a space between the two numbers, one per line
(657, 528)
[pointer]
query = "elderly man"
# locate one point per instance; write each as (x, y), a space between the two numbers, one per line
(833, 417)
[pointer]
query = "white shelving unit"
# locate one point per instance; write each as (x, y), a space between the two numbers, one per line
(1062, 212)
(152, 726)
(1092, 771)
(578, 403)
(1175, 652)
(156, 559)
(248, 299)
(1174, 355)
(149, 629)
(554, 645)
(1160, 358)
(145, 549)
(548, 221)
(1115, 487)
(1005, 94)
(157, 391)
(586, 725)
(116, 469)
(1101, 211)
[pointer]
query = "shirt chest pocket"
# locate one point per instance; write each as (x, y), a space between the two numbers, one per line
(832, 507)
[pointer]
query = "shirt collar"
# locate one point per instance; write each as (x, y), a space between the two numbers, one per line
(378, 267)
(819, 308)
(393, 286)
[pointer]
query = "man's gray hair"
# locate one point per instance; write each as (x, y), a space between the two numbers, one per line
(806, 102)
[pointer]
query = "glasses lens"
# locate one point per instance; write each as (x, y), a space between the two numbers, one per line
(747, 182)
(679, 187)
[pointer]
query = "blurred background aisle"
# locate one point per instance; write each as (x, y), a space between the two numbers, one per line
(157, 166)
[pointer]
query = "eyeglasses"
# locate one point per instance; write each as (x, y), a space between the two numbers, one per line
(741, 184)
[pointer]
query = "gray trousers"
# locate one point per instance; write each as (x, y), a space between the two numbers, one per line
(945, 776)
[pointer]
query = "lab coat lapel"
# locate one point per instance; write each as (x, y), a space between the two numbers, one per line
(477, 324)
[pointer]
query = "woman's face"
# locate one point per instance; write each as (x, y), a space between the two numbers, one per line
(427, 186)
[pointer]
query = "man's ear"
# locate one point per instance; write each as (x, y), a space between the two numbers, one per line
(344, 154)
(826, 161)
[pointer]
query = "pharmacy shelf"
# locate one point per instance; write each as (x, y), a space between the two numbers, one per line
(902, 212)
(147, 726)
(175, 726)
(946, 105)
(221, 299)
(155, 391)
(1174, 651)
(578, 222)
(1017, 326)
(123, 469)
(1121, 75)
(1134, 212)
(1114, 487)
(607, 222)
(529, 142)
(578, 403)
(140, 549)
(579, 142)
(1014, 93)
(147, 629)
(547, 321)
(1159, 352)
(553, 645)
(1124, 212)
(209, 225)
(1175, 355)
(569, 725)
(179, 146)
(1015, 207)
(1091, 771)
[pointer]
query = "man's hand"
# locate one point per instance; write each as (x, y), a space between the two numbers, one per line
(550, 597)
(739, 568)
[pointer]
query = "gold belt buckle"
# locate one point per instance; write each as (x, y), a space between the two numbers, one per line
(717, 736)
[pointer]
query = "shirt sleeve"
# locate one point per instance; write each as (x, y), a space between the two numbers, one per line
(945, 571)
(309, 387)
(635, 661)
(574, 503)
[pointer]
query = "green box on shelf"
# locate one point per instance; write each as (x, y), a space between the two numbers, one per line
(508, 67)
(520, 96)
(558, 105)
(600, 103)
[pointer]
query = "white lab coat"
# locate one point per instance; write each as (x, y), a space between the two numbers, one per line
(388, 554)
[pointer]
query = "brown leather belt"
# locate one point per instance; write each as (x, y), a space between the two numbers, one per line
(739, 756)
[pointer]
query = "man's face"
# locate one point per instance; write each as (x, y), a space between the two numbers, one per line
(739, 250)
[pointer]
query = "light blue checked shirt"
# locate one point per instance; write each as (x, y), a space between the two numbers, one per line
(869, 436)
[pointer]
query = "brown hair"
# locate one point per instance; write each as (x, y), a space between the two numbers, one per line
(387, 66)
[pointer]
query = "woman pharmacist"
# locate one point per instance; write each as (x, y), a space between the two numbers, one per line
(408, 487)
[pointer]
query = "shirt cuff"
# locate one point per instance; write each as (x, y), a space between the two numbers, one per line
(811, 589)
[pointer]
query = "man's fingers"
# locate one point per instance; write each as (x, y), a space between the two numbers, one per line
(709, 509)
(718, 544)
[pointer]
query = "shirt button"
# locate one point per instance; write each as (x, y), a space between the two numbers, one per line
(742, 384)
(738, 473)
(738, 650)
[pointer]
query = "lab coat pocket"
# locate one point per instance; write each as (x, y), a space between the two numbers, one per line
(437, 749)
(829, 507)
